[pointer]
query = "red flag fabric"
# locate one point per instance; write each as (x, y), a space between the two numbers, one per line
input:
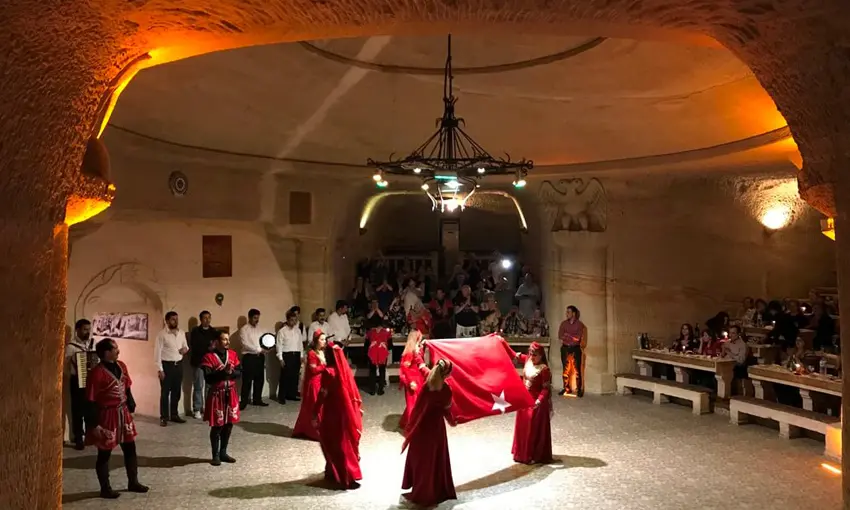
(484, 380)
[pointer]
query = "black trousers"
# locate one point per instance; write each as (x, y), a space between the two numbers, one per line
(287, 387)
(220, 439)
(381, 372)
(253, 377)
(79, 410)
(170, 388)
(131, 464)
(574, 352)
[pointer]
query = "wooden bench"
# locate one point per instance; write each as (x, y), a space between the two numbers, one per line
(662, 390)
(791, 419)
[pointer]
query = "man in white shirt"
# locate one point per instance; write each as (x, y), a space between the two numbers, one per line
(319, 324)
(253, 361)
(528, 295)
(168, 354)
(338, 323)
(289, 345)
(82, 342)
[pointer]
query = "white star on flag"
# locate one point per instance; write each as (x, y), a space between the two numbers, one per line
(499, 402)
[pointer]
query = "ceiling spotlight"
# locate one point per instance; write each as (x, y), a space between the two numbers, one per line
(425, 186)
(382, 184)
(417, 170)
(452, 184)
(378, 177)
(481, 170)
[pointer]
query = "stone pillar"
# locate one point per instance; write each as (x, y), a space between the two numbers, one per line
(580, 266)
(842, 245)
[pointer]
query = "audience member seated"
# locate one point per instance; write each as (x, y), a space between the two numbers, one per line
(375, 317)
(784, 331)
(748, 310)
(528, 295)
(736, 348)
(718, 324)
(396, 318)
(490, 319)
(458, 280)
(824, 327)
(419, 318)
(709, 345)
(385, 294)
(537, 324)
(686, 341)
(795, 314)
(441, 312)
(514, 323)
(466, 313)
(360, 297)
(411, 295)
(756, 320)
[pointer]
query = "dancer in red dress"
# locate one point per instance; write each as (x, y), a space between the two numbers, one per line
(338, 414)
(419, 318)
(221, 369)
(314, 366)
(532, 432)
(411, 374)
(108, 389)
(427, 469)
(379, 339)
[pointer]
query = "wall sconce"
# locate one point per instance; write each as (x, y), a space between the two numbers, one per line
(827, 228)
(776, 217)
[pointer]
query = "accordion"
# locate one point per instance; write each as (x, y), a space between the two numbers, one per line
(85, 362)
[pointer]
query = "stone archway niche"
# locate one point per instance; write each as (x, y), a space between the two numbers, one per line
(59, 61)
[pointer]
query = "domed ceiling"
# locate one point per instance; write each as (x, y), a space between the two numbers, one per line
(555, 100)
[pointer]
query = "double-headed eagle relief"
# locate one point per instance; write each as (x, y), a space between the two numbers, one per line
(575, 205)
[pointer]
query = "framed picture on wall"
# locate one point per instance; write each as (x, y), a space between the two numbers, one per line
(128, 326)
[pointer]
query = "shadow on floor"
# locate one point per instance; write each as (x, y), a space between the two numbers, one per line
(79, 496)
(315, 485)
(117, 461)
(269, 429)
(390, 423)
(568, 461)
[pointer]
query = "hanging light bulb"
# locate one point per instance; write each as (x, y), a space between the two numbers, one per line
(382, 184)
(452, 184)
(425, 186)
(520, 183)
(378, 177)
(481, 170)
(417, 170)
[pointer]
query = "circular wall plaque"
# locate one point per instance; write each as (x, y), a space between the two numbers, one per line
(178, 183)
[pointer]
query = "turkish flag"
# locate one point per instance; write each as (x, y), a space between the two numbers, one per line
(484, 380)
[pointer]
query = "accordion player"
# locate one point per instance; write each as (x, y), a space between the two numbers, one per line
(85, 362)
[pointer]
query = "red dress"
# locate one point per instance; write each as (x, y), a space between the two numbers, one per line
(409, 372)
(109, 394)
(428, 469)
(422, 323)
(222, 404)
(340, 424)
(532, 432)
(379, 345)
(313, 368)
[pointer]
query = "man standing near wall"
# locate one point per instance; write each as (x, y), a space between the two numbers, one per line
(81, 343)
(338, 323)
(168, 355)
(200, 340)
(573, 336)
(290, 341)
(253, 362)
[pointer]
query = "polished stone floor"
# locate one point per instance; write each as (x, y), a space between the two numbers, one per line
(614, 453)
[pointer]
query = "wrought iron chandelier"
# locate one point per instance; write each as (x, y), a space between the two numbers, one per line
(450, 163)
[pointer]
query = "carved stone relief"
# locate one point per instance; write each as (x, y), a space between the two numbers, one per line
(575, 205)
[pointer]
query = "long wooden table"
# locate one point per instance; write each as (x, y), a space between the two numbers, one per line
(683, 363)
(763, 376)
(765, 354)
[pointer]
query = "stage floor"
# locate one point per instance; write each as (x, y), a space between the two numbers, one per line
(614, 453)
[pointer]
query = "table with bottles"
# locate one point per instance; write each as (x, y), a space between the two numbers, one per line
(683, 363)
(764, 376)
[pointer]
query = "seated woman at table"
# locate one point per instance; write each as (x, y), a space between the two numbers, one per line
(686, 340)
(708, 344)
(795, 355)
(756, 320)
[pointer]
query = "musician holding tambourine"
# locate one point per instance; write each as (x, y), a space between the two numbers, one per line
(79, 359)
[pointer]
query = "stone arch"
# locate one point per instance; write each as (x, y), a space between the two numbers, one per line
(60, 61)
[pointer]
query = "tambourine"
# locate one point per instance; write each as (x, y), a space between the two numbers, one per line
(267, 341)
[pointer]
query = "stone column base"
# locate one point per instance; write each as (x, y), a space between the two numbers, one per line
(600, 384)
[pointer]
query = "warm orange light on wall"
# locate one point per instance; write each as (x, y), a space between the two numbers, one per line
(113, 100)
(78, 210)
(827, 228)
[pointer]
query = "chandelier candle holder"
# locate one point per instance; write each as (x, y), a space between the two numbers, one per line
(450, 163)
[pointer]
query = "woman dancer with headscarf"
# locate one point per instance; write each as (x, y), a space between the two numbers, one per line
(532, 432)
(338, 417)
(314, 366)
(427, 469)
(411, 374)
